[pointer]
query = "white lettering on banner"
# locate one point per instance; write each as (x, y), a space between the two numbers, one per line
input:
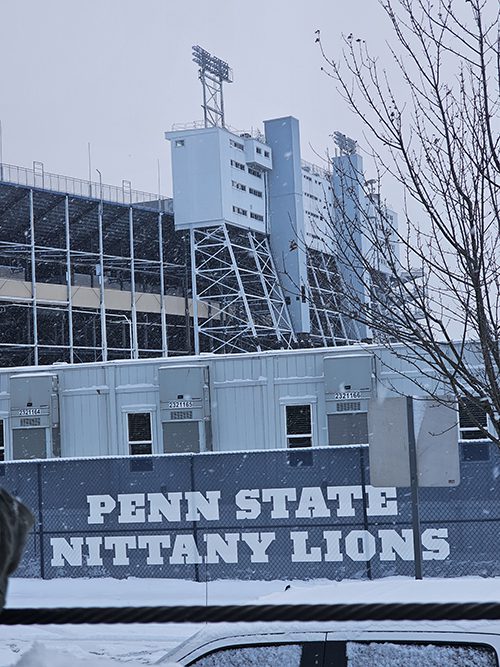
(300, 553)
(280, 503)
(435, 540)
(297, 542)
(279, 498)
(154, 545)
(345, 495)
(259, 544)
(94, 545)
(99, 506)
(246, 501)
(393, 543)
(120, 545)
(198, 505)
(166, 506)
(381, 501)
(155, 507)
(332, 539)
(225, 548)
(216, 548)
(131, 508)
(185, 551)
(62, 550)
(312, 504)
(360, 545)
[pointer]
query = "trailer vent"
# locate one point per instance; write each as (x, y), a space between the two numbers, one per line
(181, 414)
(349, 406)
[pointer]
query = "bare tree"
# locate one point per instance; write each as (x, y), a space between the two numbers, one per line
(431, 118)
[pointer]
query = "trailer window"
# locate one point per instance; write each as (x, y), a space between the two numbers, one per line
(139, 433)
(298, 426)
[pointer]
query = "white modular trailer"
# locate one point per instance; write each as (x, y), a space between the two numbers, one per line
(252, 401)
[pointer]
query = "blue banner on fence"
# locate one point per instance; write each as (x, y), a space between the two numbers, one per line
(301, 514)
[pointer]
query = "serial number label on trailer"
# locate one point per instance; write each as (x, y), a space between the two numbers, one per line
(29, 412)
(342, 395)
(174, 405)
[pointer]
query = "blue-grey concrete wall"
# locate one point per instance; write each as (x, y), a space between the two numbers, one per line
(286, 214)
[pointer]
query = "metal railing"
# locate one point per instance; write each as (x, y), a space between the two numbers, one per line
(254, 132)
(37, 177)
(315, 170)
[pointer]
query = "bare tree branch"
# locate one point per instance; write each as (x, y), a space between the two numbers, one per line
(432, 122)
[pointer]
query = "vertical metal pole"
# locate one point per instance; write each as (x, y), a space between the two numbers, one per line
(185, 283)
(133, 342)
(102, 303)
(194, 294)
(204, 83)
(69, 285)
(412, 452)
(33, 279)
(222, 121)
(90, 169)
(130, 337)
(163, 314)
(362, 467)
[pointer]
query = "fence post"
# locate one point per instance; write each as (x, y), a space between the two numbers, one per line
(415, 509)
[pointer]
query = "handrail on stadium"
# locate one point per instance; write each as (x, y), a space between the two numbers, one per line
(253, 133)
(315, 169)
(37, 177)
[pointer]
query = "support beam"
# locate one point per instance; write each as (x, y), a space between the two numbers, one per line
(33, 280)
(194, 292)
(234, 277)
(133, 299)
(163, 314)
(69, 285)
(102, 303)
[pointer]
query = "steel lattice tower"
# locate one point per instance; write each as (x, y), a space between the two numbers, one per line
(328, 325)
(212, 73)
(239, 304)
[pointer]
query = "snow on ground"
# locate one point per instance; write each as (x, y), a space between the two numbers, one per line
(134, 645)
(391, 589)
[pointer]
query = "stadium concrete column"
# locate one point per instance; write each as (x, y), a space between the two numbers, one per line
(347, 182)
(286, 218)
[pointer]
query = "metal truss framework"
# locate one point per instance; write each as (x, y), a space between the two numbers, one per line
(328, 325)
(235, 281)
(212, 74)
(82, 279)
(213, 100)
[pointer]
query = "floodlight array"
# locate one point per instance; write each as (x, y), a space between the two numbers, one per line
(212, 64)
(346, 144)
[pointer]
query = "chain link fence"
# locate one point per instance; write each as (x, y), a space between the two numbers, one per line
(301, 514)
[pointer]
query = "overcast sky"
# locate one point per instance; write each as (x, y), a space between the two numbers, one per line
(118, 73)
